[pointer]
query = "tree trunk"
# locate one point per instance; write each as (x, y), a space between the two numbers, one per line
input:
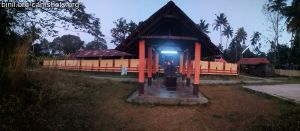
(221, 34)
(226, 43)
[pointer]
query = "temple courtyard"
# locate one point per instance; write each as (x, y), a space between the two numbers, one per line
(94, 102)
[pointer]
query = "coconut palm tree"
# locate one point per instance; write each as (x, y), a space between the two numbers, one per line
(203, 26)
(241, 35)
(219, 22)
(228, 32)
(255, 38)
(292, 14)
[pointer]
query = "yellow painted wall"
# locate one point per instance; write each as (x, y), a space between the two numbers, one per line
(121, 62)
(106, 63)
(134, 62)
(214, 66)
(73, 63)
(90, 63)
(204, 64)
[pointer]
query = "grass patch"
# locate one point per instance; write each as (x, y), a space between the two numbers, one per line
(103, 74)
(288, 119)
(217, 116)
(58, 100)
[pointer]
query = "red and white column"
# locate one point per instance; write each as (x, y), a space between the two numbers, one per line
(141, 66)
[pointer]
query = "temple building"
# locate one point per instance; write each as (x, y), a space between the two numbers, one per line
(168, 51)
(169, 31)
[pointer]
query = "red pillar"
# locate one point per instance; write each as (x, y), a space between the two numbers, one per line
(188, 72)
(149, 65)
(184, 65)
(181, 64)
(156, 64)
(208, 68)
(197, 68)
(141, 66)
(129, 65)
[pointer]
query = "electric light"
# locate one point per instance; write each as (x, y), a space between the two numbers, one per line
(168, 52)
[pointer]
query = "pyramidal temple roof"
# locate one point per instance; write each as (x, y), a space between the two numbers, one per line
(169, 20)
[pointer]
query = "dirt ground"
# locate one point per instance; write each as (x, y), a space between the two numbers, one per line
(229, 108)
(84, 103)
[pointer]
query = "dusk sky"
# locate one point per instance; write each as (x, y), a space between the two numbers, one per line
(240, 13)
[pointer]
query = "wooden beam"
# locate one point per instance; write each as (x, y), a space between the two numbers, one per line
(170, 37)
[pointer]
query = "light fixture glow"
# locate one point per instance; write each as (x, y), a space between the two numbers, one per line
(168, 52)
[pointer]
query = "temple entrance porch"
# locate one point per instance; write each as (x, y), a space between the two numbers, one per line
(158, 93)
(178, 59)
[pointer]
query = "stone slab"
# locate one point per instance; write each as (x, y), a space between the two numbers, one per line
(284, 91)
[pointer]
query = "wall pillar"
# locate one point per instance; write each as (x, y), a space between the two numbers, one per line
(149, 65)
(141, 66)
(197, 68)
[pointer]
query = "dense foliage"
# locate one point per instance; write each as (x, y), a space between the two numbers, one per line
(122, 30)
(19, 29)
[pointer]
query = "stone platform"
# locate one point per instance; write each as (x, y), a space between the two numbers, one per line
(157, 93)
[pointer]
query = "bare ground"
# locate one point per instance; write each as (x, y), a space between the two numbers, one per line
(84, 103)
(229, 108)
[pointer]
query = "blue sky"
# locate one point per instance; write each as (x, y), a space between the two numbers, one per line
(240, 13)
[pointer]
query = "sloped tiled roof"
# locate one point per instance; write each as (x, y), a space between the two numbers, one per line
(100, 53)
(254, 61)
(220, 60)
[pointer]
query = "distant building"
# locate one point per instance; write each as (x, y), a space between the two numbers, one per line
(256, 66)
(100, 54)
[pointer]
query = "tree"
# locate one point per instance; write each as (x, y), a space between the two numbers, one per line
(255, 42)
(131, 27)
(94, 45)
(228, 32)
(284, 57)
(220, 47)
(219, 22)
(292, 14)
(235, 48)
(273, 10)
(122, 30)
(241, 35)
(203, 26)
(45, 45)
(68, 44)
(20, 20)
(232, 54)
(42, 48)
